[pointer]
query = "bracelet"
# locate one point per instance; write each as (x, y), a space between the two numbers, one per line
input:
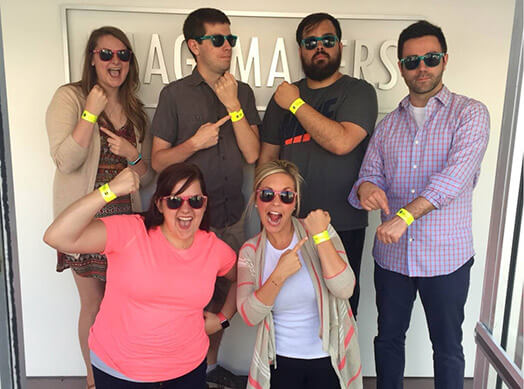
(295, 105)
(405, 215)
(89, 117)
(138, 159)
(107, 193)
(236, 115)
(321, 237)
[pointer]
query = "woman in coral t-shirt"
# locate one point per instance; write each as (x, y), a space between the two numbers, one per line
(162, 268)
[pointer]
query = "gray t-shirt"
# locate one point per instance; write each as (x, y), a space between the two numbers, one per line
(328, 178)
(184, 105)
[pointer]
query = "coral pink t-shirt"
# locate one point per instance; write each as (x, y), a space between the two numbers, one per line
(150, 326)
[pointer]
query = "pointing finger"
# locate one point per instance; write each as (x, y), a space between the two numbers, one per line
(223, 120)
(108, 132)
(299, 245)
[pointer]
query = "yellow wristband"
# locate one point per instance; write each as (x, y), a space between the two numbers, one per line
(405, 215)
(89, 117)
(107, 193)
(321, 237)
(295, 105)
(237, 115)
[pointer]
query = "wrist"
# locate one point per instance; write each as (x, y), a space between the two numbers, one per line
(234, 106)
(405, 215)
(321, 237)
(296, 104)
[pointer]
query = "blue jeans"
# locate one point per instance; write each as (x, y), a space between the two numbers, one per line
(443, 299)
(195, 379)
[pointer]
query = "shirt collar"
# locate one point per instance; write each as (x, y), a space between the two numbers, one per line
(444, 96)
(196, 78)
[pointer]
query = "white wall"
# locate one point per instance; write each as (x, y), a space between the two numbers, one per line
(478, 35)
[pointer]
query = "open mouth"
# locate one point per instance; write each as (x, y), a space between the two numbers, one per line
(274, 218)
(184, 222)
(114, 72)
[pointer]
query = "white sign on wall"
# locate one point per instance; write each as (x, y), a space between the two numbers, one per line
(266, 52)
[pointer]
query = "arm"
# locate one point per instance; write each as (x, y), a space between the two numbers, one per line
(76, 230)
(212, 321)
(69, 134)
(336, 137)
(254, 305)
(145, 150)
(463, 163)
(338, 275)
(268, 153)
(164, 154)
(226, 89)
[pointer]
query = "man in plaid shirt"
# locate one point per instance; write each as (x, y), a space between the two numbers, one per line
(420, 169)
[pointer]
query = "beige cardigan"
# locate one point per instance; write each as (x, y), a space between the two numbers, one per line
(76, 166)
(338, 329)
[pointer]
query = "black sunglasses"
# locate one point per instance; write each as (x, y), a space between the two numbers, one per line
(218, 40)
(175, 202)
(267, 195)
(107, 54)
(430, 59)
(311, 42)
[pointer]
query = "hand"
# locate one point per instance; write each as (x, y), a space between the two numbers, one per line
(226, 89)
(120, 146)
(96, 101)
(285, 95)
(390, 231)
(372, 197)
(289, 263)
(125, 182)
(317, 221)
(211, 323)
(207, 134)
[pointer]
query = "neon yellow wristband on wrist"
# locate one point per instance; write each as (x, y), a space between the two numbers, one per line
(89, 117)
(321, 237)
(295, 105)
(237, 115)
(107, 193)
(405, 215)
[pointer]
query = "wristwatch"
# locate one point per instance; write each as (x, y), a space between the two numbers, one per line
(223, 320)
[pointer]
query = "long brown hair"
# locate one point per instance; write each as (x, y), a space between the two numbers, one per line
(127, 93)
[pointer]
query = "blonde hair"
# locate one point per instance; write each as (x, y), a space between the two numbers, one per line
(274, 167)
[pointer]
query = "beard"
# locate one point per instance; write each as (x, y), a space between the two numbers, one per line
(324, 69)
(433, 83)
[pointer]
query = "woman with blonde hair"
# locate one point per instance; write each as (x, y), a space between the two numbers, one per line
(97, 127)
(294, 282)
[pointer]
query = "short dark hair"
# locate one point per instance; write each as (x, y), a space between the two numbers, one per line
(418, 30)
(194, 23)
(312, 20)
(166, 181)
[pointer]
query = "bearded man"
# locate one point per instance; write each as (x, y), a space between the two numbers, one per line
(322, 123)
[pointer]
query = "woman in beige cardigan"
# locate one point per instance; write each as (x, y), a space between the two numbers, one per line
(97, 127)
(294, 282)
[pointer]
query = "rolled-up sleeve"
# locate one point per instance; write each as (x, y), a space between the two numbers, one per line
(372, 169)
(340, 285)
(463, 164)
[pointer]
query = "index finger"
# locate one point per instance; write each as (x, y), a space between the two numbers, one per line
(299, 245)
(108, 132)
(383, 202)
(223, 120)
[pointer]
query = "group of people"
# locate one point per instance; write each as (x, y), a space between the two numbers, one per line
(158, 287)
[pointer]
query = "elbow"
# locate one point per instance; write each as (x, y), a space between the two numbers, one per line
(49, 237)
(64, 167)
(155, 164)
(342, 148)
(251, 159)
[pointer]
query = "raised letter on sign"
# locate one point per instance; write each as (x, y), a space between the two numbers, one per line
(390, 67)
(155, 47)
(280, 51)
(177, 58)
(358, 65)
(253, 58)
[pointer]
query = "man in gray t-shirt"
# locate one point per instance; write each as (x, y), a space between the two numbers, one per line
(327, 135)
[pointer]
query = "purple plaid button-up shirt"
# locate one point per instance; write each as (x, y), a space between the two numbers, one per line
(440, 162)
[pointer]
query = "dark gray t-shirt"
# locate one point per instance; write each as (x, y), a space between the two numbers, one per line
(184, 105)
(328, 178)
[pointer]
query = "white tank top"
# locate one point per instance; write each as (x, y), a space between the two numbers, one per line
(295, 312)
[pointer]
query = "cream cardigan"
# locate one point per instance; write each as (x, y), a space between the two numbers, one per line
(338, 327)
(76, 166)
